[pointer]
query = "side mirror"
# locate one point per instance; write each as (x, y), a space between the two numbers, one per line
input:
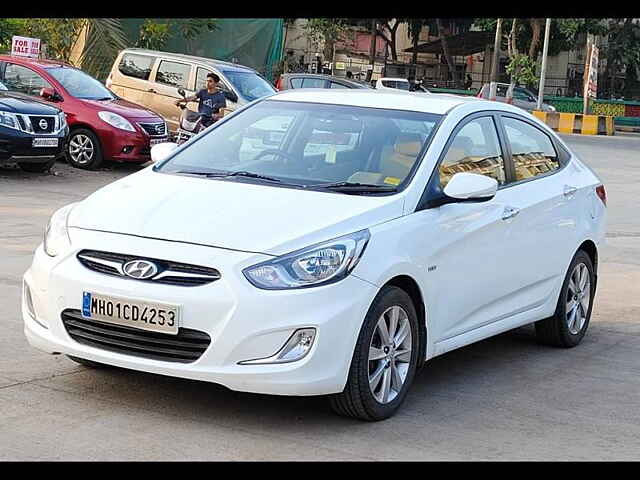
(471, 187)
(48, 93)
(162, 150)
(181, 92)
(232, 97)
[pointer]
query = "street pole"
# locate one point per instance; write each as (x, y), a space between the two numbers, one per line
(494, 63)
(585, 79)
(372, 50)
(543, 73)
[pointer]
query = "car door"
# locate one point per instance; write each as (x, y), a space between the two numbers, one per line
(132, 79)
(461, 245)
(171, 75)
(540, 235)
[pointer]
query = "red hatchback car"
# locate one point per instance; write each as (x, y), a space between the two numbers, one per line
(102, 125)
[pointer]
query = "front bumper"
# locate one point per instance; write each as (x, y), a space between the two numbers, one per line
(244, 322)
(125, 146)
(17, 146)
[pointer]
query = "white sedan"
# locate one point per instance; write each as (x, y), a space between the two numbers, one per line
(372, 232)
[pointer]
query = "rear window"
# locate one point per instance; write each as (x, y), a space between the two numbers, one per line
(396, 84)
(136, 66)
(296, 83)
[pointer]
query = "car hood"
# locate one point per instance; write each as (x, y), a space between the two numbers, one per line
(231, 214)
(124, 108)
(16, 103)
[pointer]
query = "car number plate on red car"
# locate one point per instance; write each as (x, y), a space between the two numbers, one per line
(156, 141)
(154, 316)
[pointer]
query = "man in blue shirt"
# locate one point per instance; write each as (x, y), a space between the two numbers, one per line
(211, 100)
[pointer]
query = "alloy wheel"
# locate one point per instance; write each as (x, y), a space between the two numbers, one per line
(578, 297)
(81, 149)
(389, 354)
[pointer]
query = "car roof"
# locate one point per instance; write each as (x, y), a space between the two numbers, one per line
(395, 79)
(37, 62)
(325, 77)
(387, 99)
(191, 58)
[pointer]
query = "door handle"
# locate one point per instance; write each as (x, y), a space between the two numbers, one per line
(510, 212)
(569, 191)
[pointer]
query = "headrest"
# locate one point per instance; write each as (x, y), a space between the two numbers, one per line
(408, 144)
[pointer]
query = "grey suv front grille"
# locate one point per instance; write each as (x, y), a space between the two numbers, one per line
(168, 272)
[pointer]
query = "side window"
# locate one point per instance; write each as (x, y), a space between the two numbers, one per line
(313, 83)
(474, 149)
(136, 66)
(532, 150)
(201, 78)
(296, 83)
(173, 73)
(24, 80)
(336, 85)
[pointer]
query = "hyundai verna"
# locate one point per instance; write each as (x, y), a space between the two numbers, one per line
(318, 242)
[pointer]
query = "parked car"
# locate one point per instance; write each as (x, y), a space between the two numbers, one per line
(152, 79)
(290, 271)
(393, 84)
(287, 81)
(103, 125)
(32, 134)
(522, 97)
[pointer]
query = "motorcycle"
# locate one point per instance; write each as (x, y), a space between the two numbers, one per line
(191, 123)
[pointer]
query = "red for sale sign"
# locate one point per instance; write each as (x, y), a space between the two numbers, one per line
(25, 46)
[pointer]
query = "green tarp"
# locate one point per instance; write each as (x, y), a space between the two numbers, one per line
(256, 43)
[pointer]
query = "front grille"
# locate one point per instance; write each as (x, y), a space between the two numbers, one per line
(185, 347)
(154, 129)
(169, 272)
(37, 128)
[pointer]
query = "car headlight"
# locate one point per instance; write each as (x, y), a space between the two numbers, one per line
(117, 121)
(56, 235)
(319, 264)
(9, 120)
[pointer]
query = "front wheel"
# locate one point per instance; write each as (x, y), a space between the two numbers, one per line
(384, 360)
(570, 321)
(84, 150)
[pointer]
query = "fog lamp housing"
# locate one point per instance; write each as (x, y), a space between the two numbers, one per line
(295, 348)
(28, 302)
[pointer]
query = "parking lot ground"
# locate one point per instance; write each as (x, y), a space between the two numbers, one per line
(505, 398)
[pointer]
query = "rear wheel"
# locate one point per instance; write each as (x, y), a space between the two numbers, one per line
(384, 360)
(570, 321)
(83, 149)
(37, 167)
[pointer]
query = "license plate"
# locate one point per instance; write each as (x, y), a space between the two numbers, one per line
(45, 142)
(153, 316)
(155, 141)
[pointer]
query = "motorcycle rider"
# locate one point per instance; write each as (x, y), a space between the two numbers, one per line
(211, 101)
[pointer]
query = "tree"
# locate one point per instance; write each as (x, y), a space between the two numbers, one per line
(155, 34)
(415, 27)
(327, 31)
(622, 54)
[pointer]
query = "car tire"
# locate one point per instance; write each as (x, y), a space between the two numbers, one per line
(568, 325)
(360, 400)
(87, 363)
(37, 167)
(84, 150)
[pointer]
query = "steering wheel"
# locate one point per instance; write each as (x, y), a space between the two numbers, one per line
(275, 151)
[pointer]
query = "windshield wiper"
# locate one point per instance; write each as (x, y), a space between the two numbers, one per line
(241, 173)
(355, 187)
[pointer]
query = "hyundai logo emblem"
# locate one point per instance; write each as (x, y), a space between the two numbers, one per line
(140, 269)
(43, 124)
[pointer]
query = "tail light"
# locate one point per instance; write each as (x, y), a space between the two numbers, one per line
(602, 194)
(279, 84)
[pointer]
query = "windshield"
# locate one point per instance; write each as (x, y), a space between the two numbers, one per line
(308, 144)
(80, 85)
(396, 84)
(250, 85)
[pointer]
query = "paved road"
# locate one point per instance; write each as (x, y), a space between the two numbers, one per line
(505, 398)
